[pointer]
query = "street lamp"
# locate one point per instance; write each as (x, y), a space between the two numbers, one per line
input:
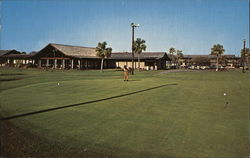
(133, 29)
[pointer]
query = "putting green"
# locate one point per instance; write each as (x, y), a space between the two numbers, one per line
(190, 119)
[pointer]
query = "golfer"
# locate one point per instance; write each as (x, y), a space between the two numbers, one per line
(126, 72)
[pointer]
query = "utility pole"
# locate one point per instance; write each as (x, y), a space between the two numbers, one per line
(243, 56)
(133, 36)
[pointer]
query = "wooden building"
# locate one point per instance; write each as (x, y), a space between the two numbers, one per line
(67, 57)
(13, 58)
(59, 56)
(148, 60)
(229, 61)
(4, 57)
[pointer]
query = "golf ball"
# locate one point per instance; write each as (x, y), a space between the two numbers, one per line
(58, 84)
(225, 94)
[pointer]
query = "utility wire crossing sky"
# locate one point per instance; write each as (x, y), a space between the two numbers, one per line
(193, 26)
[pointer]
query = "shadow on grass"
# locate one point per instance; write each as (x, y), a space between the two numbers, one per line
(12, 74)
(83, 103)
(9, 79)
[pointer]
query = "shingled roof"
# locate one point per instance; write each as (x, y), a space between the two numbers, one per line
(90, 52)
(6, 52)
(73, 51)
(18, 56)
(144, 55)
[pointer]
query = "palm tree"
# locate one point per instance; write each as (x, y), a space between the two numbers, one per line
(103, 52)
(217, 50)
(172, 51)
(139, 46)
(179, 55)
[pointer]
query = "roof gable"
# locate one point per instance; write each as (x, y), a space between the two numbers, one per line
(69, 50)
(75, 51)
(6, 52)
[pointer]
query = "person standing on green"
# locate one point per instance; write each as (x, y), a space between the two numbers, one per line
(126, 73)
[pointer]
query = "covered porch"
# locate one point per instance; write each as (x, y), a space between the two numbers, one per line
(68, 63)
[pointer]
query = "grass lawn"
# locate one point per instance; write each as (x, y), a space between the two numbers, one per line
(189, 117)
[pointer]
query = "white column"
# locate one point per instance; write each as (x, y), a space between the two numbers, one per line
(63, 64)
(79, 64)
(55, 66)
(39, 63)
(47, 64)
(72, 63)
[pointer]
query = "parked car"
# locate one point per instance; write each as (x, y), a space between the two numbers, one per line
(172, 67)
(204, 67)
(191, 67)
(197, 67)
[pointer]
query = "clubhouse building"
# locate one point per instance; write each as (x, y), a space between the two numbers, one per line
(59, 56)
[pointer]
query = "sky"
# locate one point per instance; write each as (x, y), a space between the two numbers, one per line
(193, 26)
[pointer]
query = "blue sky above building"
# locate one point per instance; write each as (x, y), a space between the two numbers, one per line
(189, 25)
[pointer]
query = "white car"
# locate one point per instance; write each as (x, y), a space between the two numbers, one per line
(204, 67)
